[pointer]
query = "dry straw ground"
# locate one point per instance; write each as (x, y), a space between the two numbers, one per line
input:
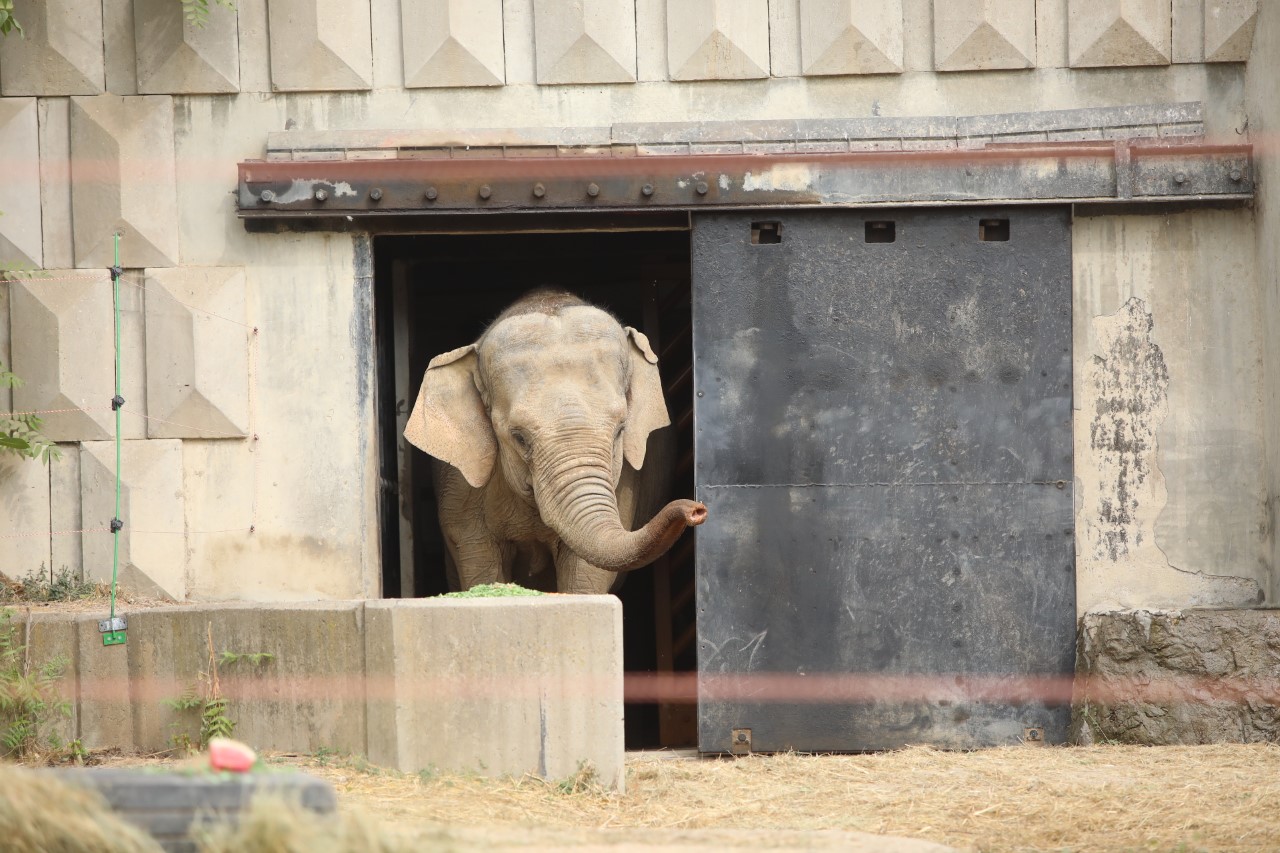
(1224, 797)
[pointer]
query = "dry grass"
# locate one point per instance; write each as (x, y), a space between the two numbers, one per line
(40, 814)
(1083, 798)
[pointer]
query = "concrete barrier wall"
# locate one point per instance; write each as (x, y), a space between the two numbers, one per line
(492, 686)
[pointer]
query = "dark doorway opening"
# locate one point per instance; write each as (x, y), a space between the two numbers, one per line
(436, 292)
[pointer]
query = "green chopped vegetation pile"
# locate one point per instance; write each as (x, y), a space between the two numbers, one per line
(493, 590)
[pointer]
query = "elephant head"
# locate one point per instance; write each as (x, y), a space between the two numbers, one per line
(556, 394)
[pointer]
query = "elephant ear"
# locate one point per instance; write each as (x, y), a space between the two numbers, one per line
(449, 420)
(646, 406)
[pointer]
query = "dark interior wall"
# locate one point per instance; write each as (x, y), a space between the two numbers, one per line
(457, 284)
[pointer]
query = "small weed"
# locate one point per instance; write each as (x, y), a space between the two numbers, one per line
(585, 781)
(324, 755)
(215, 721)
(254, 659)
(28, 698)
(46, 585)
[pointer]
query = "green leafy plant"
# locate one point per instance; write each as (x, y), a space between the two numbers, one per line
(197, 11)
(19, 432)
(8, 23)
(45, 585)
(493, 590)
(207, 699)
(29, 700)
(254, 659)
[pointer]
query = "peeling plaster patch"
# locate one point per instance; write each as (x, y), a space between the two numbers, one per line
(304, 188)
(1131, 384)
(793, 178)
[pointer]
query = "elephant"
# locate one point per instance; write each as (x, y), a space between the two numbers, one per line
(530, 429)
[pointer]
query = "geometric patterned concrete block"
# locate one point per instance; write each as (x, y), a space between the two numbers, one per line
(585, 41)
(452, 43)
(67, 548)
(20, 242)
(851, 37)
(1228, 30)
(176, 57)
(978, 35)
(717, 39)
(121, 48)
(24, 496)
(59, 53)
(320, 45)
(197, 361)
(63, 348)
(153, 540)
(123, 179)
(1119, 32)
(55, 181)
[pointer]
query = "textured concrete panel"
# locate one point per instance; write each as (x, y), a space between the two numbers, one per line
(1120, 32)
(1188, 30)
(1228, 29)
(585, 41)
(784, 38)
(546, 698)
(197, 353)
(851, 37)
(1189, 677)
(153, 541)
(55, 181)
(309, 694)
(320, 45)
(123, 180)
(63, 348)
(979, 35)
(452, 43)
(255, 59)
(120, 48)
(176, 57)
(64, 511)
(717, 39)
(104, 696)
(24, 517)
(20, 238)
(59, 53)
(1051, 34)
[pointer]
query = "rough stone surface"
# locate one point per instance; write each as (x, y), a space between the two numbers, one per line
(1179, 677)
(175, 56)
(1120, 32)
(851, 37)
(717, 39)
(62, 348)
(1228, 29)
(320, 45)
(123, 179)
(55, 181)
(980, 35)
(24, 517)
(153, 540)
(585, 41)
(104, 692)
(452, 43)
(546, 697)
(59, 53)
(309, 694)
(20, 238)
(197, 353)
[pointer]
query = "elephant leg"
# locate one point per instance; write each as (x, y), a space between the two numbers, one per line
(576, 576)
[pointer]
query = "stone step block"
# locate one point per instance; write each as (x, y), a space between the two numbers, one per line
(64, 349)
(59, 51)
(20, 237)
(1119, 32)
(174, 56)
(320, 45)
(981, 35)
(498, 686)
(585, 41)
(851, 37)
(197, 350)
(452, 43)
(717, 39)
(123, 179)
(153, 544)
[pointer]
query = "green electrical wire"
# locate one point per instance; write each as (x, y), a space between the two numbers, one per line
(115, 559)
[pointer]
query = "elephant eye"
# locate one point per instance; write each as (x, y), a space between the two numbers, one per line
(520, 439)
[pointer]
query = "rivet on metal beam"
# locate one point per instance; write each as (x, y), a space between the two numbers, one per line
(375, 194)
(266, 196)
(1180, 178)
(539, 191)
(431, 194)
(646, 190)
(1236, 176)
(702, 187)
(593, 190)
(322, 195)
(485, 191)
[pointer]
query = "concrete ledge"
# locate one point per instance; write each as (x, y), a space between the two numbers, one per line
(503, 686)
(499, 686)
(1182, 677)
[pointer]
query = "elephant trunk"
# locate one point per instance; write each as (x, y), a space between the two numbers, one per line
(576, 498)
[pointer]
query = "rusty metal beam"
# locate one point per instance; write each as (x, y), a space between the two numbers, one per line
(1125, 171)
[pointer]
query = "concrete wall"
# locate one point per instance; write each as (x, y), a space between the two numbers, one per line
(251, 472)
